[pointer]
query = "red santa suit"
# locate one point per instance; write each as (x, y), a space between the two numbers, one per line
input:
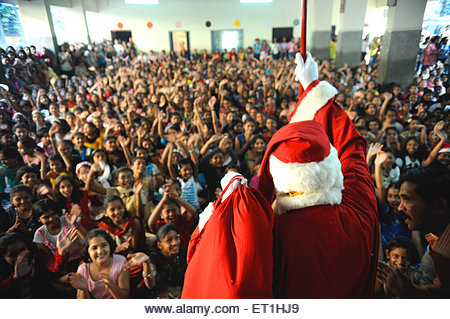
(326, 227)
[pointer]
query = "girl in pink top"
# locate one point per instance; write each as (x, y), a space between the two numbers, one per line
(101, 276)
(31, 153)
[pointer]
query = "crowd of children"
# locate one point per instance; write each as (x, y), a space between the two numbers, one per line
(106, 165)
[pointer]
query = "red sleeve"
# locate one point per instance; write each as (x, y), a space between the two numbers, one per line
(55, 263)
(318, 103)
(86, 220)
(7, 283)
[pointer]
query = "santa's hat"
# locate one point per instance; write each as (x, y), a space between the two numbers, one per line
(302, 167)
(445, 148)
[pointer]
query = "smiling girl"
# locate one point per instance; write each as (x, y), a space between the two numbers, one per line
(164, 269)
(168, 211)
(126, 188)
(101, 276)
(255, 155)
(54, 226)
(68, 194)
(126, 230)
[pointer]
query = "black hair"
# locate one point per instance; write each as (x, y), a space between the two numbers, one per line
(360, 128)
(97, 131)
(175, 181)
(28, 142)
(20, 125)
(113, 198)
(76, 192)
(55, 157)
(403, 242)
(391, 128)
(234, 168)
(3, 132)
(164, 230)
(373, 119)
(418, 151)
(27, 169)
(12, 152)
(41, 132)
(184, 161)
(139, 157)
(250, 119)
(95, 233)
(258, 136)
(140, 148)
(391, 109)
(171, 201)
(7, 240)
(115, 175)
(412, 118)
(65, 127)
(109, 137)
(271, 117)
(67, 142)
(11, 238)
(175, 114)
(77, 134)
(431, 183)
(389, 217)
(235, 122)
(20, 188)
(42, 206)
(98, 150)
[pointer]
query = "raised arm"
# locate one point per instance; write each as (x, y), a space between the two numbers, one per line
(156, 213)
(318, 103)
(438, 131)
(91, 184)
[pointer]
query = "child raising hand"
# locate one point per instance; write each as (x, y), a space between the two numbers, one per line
(169, 211)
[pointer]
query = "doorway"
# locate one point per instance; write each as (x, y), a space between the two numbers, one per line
(279, 33)
(122, 35)
(227, 39)
(179, 41)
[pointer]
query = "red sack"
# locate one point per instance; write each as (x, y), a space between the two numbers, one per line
(231, 257)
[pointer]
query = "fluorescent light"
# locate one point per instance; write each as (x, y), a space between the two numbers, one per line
(142, 1)
(256, 1)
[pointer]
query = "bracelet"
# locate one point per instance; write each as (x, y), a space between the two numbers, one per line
(150, 275)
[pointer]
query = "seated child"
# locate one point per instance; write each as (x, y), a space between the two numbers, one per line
(168, 211)
(102, 275)
(401, 254)
(54, 226)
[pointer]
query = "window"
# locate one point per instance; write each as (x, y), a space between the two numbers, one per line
(64, 21)
(10, 20)
(227, 39)
(141, 1)
(255, 1)
(11, 31)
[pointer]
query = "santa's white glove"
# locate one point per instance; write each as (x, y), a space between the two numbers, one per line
(307, 72)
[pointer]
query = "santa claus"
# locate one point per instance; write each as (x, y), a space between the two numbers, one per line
(326, 227)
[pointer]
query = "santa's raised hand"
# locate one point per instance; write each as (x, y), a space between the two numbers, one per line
(306, 72)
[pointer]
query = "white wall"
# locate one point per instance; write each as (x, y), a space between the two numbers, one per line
(33, 16)
(74, 28)
(192, 14)
(375, 22)
(257, 20)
